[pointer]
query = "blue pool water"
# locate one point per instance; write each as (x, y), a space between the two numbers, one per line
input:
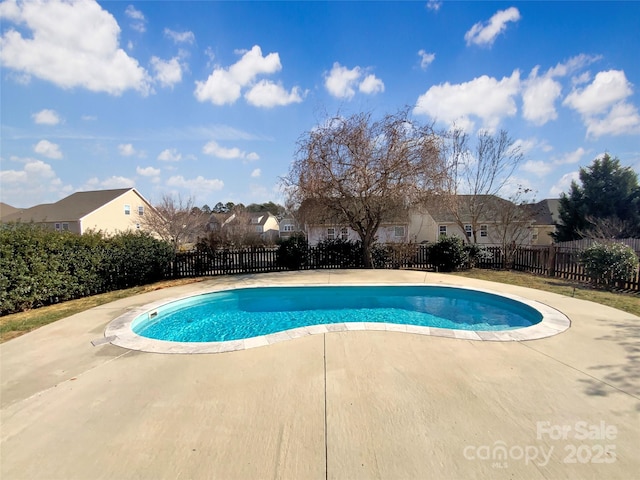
(251, 312)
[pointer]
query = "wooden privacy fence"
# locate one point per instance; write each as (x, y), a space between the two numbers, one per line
(550, 261)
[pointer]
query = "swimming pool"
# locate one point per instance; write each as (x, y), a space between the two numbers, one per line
(246, 317)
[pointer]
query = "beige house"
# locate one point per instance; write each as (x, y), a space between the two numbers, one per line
(108, 211)
(500, 221)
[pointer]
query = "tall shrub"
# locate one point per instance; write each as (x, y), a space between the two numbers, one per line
(607, 263)
(293, 252)
(449, 254)
(39, 266)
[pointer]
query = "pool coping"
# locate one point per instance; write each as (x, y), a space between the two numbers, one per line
(119, 332)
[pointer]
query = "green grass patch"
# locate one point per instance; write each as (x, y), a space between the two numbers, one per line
(17, 324)
(627, 302)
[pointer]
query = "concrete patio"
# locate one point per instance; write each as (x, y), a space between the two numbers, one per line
(343, 405)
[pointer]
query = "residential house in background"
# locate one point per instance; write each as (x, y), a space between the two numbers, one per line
(289, 226)
(500, 221)
(6, 210)
(108, 211)
(545, 216)
(266, 225)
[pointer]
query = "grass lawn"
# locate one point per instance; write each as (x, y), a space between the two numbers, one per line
(627, 302)
(17, 324)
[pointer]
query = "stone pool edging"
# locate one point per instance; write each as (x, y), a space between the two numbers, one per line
(119, 332)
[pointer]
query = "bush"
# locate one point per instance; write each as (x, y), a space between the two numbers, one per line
(338, 253)
(449, 254)
(608, 263)
(293, 252)
(39, 266)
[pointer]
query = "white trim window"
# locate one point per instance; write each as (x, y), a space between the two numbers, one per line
(344, 233)
(287, 228)
(442, 230)
(331, 233)
(484, 230)
(468, 230)
(398, 231)
(141, 210)
(127, 209)
(57, 226)
(65, 227)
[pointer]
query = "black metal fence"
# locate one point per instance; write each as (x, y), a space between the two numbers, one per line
(550, 261)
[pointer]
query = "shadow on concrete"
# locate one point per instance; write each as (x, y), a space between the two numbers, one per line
(625, 377)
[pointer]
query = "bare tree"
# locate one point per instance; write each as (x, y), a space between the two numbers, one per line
(359, 171)
(175, 220)
(476, 173)
(512, 222)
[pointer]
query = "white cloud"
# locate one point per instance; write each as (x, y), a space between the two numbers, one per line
(268, 94)
(426, 59)
(434, 5)
(572, 157)
(170, 155)
(573, 64)
(212, 148)
(484, 97)
(180, 37)
(71, 45)
(539, 98)
(623, 119)
(118, 182)
(224, 85)
(341, 82)
(371, 85)
(46, 117)
(537, 167)
(602, 105)
(485, 34)
(35, 183)
(256, 173)
(563, 184)
(89, 118)
(138, 23)
(606, 89)
(198, 184)
(148, 171)
(126, 149)
(48, 149)
(112, 182)
(167, 72)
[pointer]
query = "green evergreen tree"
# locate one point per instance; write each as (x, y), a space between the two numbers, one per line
(606, 204)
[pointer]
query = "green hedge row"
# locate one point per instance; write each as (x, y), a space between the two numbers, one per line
(40, 267)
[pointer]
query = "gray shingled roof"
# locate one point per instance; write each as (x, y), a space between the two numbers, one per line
(69, 209)
(6, 210)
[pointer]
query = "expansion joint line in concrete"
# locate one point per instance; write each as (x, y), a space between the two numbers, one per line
(326, 448)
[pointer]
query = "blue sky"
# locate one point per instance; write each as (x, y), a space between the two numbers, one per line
(207, 99)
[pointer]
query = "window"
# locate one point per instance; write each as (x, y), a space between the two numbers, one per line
(127, 209)
(258, 228)
(141, 210)
(467, 230)
(331, 233)
(442, 229)
(287, 228)
(137, 226)
(398, 231)
(344, 233)
(57, 226)
(65, 227)
(484, 231)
